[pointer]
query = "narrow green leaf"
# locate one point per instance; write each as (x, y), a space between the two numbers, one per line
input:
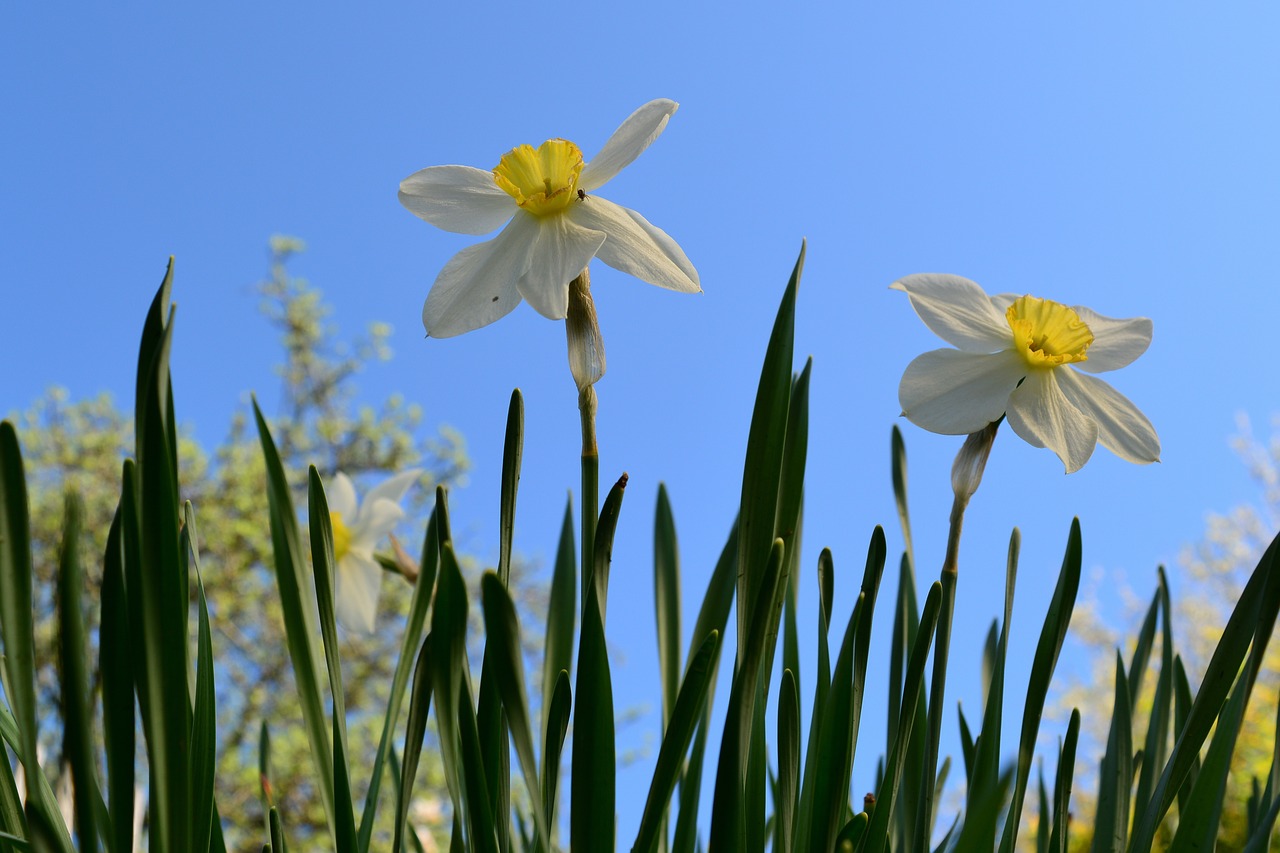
(559, 708)
(1198, 828)
(1111, 817)
(512, 453)
(813, 748)
(562, 614)
(927, 814)
(428, 565)
(666, 594)
(503, 648)
(788, 795)
(1052, 635)
(449, 670)
(789, 522)
(320, 527)
(1156, 746)
(602, 559)
(17, 633)
(393, 763)
(713, 615)
(164, 603)
(299, 612)
(592, 791)
(1250, 624)
(1045, 824)
(729, 806)
(688, 709)
(837, 737)
(13, 822)
(1058, 840)
(115, 656)
(276, 831)
(15, 595)
(1142, 648)
(878, 831)
(898, 453)
(872, 573)
(852, 833)
(77, 731)
(1182, 702)
(905, 625)
(264, 770)
(204, 748)
(482, 825)
(986, 770)
(981, 814)
(494, 744)
(765, 444)
(1260, 838)
(414, 733)
(968, 748)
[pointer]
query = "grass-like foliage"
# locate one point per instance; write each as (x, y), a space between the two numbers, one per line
(778, 781)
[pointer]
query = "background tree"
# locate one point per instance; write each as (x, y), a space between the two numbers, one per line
(78, 446)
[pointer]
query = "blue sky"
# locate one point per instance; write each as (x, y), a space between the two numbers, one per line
(1117, 157)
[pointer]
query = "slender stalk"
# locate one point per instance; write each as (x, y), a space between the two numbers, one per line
(966, 475)
(590, 483)
(587, 364)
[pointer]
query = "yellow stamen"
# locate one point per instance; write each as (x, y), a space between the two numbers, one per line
(542, 180)
(341, 536)
(1046, 333)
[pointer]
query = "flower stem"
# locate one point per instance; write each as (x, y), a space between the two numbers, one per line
(587, 364)
(966, 476)
(590, 484)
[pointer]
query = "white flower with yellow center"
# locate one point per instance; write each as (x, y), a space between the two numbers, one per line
(1011, 359)
(357, 530)
(556, 226)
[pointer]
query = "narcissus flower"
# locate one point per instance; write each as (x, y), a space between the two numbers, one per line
(556, 226)
(1022, 357)
(357, 529)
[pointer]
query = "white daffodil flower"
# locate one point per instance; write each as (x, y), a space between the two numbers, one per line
(555, 225)
(1011, 358)
(357, 529)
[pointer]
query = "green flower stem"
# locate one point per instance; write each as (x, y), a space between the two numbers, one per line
(590, 482)
(966, 476)
(587, 364)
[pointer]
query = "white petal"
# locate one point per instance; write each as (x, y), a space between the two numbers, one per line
(1122, 428)
(957, 393)
(957, 310)
(341, 495)
(635, 246)
(478, 285)
(628, 141)
(1044, 417)
(1002, 301)
(461, 199)
(357, 586)
(561, 250)
(1116, 343)
(378, 517)
(394, 488)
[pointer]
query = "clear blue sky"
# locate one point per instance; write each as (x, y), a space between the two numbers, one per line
(1121, 157)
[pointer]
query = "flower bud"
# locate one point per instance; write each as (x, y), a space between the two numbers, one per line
(586, 344)
(971, 461)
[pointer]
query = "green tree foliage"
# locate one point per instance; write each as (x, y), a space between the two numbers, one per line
(1213, 572)
(77, 447)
